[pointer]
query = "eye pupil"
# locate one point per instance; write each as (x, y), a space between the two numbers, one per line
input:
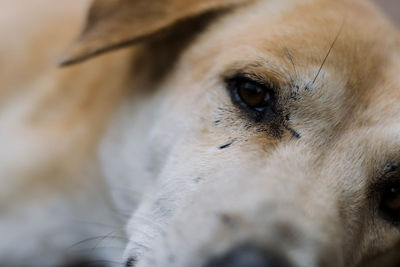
(253, 94)
(394, 203)
(257, 99)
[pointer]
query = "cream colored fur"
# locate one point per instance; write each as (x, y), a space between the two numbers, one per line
(140, 131)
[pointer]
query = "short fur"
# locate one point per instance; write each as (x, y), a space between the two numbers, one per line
(150, 131)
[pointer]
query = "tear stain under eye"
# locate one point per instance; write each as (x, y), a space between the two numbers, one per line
(275, 127)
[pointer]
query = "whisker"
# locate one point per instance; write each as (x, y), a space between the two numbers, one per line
(120, 227)
(290, 57)
(137, 244)
(96, 238)
(100, 248)
(329, 52)
(108, 236)
(93, 262)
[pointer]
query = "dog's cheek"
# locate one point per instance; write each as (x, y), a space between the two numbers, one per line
(150, 220)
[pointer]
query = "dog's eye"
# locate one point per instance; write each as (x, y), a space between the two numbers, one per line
(254, 97)
(390, 202)
(253, 94)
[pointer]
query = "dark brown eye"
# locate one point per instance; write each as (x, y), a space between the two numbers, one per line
(253, 94)
(253, 97)
(390, 202)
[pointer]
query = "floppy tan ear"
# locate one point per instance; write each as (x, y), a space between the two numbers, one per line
(112, 24)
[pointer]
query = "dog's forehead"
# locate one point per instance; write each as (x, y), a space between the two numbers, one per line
(350, 39)
(309, 28)
(362, 40)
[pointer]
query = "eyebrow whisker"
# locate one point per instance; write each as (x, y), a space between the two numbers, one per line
(290, 57)
(329, 52)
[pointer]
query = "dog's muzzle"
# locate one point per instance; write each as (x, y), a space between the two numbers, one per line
(248, 256)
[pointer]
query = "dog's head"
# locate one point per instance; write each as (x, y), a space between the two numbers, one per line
(271, 128)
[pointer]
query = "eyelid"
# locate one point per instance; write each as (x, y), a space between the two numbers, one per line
(253, 77)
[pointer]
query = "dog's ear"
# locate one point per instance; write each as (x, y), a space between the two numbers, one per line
(112, 24)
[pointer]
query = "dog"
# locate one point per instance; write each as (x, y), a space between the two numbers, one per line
(202, 133)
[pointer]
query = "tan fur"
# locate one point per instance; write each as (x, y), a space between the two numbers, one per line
(112, 24)
(59, 106)
(145, 119)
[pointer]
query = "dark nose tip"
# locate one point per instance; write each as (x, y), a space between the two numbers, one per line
(248, 256)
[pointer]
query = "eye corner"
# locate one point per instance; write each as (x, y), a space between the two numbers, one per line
(390, 168)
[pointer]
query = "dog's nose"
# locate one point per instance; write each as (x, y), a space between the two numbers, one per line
(248, 256)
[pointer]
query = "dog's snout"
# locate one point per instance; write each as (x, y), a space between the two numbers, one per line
(248, 256)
